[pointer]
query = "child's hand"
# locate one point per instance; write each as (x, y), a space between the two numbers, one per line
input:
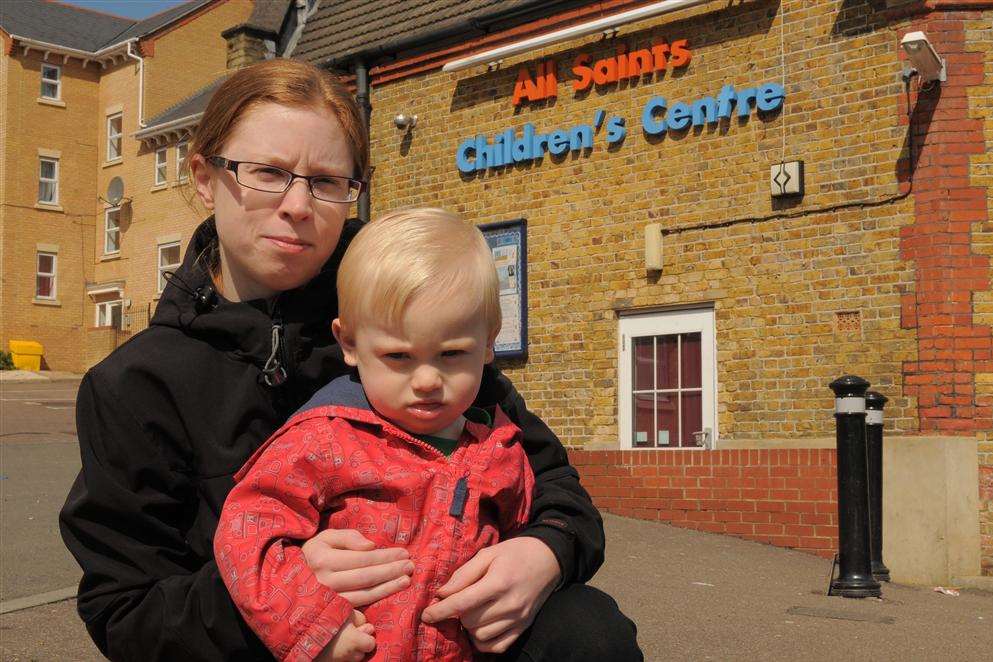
(352, 643)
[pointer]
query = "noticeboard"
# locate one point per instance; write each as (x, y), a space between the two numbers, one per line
(508, 241)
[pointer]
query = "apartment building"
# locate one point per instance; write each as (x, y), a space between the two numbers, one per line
(92, 206)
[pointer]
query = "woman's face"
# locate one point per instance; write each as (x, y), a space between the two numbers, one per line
(272, 242)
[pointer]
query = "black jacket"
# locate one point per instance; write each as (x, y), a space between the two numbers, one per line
(167, 419)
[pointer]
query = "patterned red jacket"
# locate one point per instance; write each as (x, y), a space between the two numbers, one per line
(337, 464)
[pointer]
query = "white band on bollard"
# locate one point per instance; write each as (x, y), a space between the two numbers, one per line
(874, 417)
(849, 405)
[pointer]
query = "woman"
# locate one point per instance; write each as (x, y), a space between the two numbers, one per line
(240, 339)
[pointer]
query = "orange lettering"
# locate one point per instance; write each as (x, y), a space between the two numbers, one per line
(525, 88)
(605, 71)
(659, 52)
(639, 62)
(680, 54)
(584, 75)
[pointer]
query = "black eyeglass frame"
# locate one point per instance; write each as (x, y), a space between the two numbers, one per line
(229, 164)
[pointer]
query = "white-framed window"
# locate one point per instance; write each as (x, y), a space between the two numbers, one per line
(45, 276)
(48, 180)
(112, 230)
(115, 131)
(51, 82)
(161, 163)
(109, 313)
(168, 261)
(667, 379)
(181, 150)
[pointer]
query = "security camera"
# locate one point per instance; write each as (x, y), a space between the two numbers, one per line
(923, 57)
(403, 122)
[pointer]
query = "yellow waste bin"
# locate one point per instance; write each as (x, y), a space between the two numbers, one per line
(26, 354)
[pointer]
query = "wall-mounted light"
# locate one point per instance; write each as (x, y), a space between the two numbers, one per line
(923, 57)
(405, 122)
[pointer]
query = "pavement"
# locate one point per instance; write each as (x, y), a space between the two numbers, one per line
(693, 595)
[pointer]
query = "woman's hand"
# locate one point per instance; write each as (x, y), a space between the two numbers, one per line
(497, 593)
(349, 564)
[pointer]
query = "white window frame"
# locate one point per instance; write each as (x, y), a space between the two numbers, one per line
(53, 275)
(57, 81)
(161, 283)
(161, 166)
(53, 181)
(182, 151)
(112, 137)
(107, 230)
(104, 313)
(670, 322)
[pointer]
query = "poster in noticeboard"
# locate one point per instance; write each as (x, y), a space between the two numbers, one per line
(508, 241)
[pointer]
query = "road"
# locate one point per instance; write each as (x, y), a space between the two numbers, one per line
(39, 459)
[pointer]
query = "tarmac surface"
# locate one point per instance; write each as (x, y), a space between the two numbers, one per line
(693, 595)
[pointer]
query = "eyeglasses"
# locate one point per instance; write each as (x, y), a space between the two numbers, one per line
(270, 179)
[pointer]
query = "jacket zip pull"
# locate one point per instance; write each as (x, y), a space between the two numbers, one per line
(459, 497)
(274, 374)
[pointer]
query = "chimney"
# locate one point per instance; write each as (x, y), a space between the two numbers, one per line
(248, 44)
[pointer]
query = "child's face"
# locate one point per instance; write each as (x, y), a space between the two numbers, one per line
(423, 374)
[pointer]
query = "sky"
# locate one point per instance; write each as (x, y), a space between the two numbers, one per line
(134, 9)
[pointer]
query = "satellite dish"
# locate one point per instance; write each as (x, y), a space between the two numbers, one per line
(115, 191)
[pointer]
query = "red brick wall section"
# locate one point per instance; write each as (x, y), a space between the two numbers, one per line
(952, 348)
(784, 497)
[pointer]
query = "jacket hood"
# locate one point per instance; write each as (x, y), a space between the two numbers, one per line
(245, 328)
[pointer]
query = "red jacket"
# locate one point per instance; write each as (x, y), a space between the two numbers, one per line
(337, 464)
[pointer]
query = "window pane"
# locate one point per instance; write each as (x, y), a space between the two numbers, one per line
(47, 169)
(44, 286)
(46, 192)
(46, 263)
(170, 255)
(667, 376)
(668, 420)
(113, 241)
(49, 90)
(691, 360)
(641, 369)
(115, 315)
(643, 420)
(692, 404)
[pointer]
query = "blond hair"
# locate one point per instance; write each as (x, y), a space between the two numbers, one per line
(411, 252)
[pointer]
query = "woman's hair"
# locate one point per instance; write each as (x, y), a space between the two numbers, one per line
(287, 83)
(413, 252)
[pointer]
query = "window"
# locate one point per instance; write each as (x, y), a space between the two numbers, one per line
(181, 150)
(112, 230)
(114, 132)
(44, 287)
(48, 181)
(51, 82)
(109, 313)
(161, 159)
(666, 380)
(168, 261)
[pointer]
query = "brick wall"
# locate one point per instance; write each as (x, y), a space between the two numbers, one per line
(784, 497)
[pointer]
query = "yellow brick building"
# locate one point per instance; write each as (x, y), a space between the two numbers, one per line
(672, 300)
(77, 87)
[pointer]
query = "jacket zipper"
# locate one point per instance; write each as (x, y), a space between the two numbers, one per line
(274, 372)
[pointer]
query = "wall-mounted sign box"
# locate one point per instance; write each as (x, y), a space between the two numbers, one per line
(508, 241)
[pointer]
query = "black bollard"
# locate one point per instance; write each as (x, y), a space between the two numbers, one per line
(855, 566)
(874, 403)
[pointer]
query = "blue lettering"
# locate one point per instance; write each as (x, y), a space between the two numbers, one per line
(770, 97)
(581, 137)
(465, 156)
(649, 124)
(616, 130)
(558, 143)
(679, 116)
(704, 111)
